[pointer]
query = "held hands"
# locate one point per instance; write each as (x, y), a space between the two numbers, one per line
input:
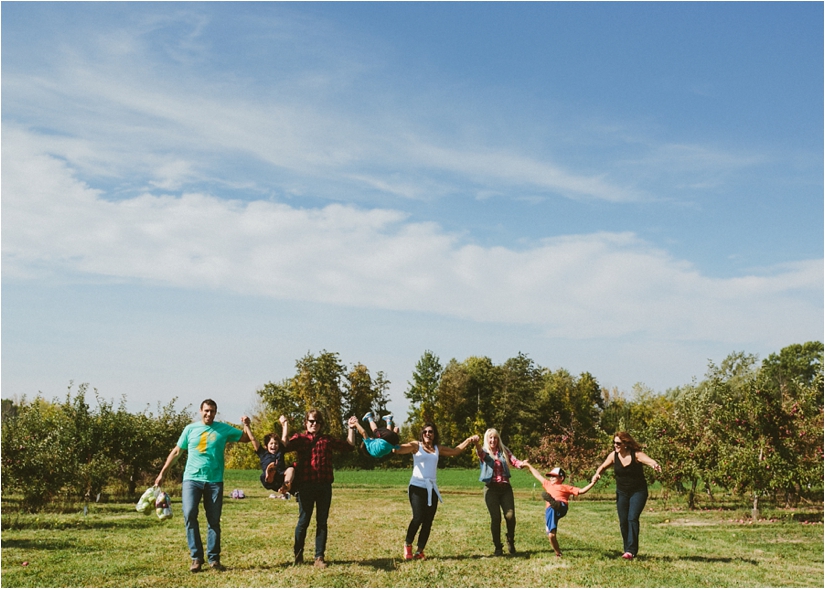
(282, 419)
(245, 421)
(595, 478)
(352, 422)
(657, 467)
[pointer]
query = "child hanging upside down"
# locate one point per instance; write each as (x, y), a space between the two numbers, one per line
(275, 475)
(386, 440)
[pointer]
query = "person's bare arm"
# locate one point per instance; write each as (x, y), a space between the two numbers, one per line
(410, 447)
(170, 460)
(446, 451)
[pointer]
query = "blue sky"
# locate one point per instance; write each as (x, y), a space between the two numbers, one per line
(196, 195)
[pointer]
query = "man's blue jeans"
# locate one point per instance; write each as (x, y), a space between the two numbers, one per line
(212, 494)
(310, 497)
(629, 507)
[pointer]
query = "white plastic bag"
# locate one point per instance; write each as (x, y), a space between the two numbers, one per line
(163, 505)
(146, 503)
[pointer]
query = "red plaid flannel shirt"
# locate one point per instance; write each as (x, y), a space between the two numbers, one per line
(314, 463)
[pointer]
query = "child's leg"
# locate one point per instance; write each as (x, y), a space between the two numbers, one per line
(289, 474)
(270, 473)
(554, 542)
(373, 426)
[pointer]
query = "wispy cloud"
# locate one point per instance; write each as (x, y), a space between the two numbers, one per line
(577, 286)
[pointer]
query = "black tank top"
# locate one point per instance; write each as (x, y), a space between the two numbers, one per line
(631, 477)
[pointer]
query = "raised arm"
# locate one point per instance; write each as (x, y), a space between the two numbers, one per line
(445, 451)
(247, 433)
(607, 462)
(351, 432)
(534, 472)
(515, 461)
(648, 461)
(410, 447)
(584, 490)
(284, 430)
(247, 430)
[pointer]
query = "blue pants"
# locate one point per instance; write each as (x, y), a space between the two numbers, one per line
(212, 494)
(311, 496)
(629, 507)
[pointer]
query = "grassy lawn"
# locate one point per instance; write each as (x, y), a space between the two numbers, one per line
(115, 546)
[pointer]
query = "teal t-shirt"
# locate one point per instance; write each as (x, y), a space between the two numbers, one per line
(206, 444)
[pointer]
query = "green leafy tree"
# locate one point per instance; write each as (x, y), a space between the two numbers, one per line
(423, 390)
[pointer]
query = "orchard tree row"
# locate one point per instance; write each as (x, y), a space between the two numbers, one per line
(750, 428)
(65, 451)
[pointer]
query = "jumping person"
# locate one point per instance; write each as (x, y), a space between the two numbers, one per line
(423, 490)
(627, 459)
(494, 457)
(205, 443)
(313, 481)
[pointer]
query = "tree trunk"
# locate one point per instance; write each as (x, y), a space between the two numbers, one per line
(755, 510)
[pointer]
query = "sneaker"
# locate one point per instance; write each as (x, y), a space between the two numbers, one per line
(549, 498)
(196, 565)
(408, 555)
(273, 496)
(388, 419)
(320, 563)
(368, 416)
(627, 556)
(419, 555)
(216, 565)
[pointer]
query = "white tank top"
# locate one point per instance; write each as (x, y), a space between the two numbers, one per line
(425, 468)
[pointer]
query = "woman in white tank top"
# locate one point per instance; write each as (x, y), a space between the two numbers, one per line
(423, 490)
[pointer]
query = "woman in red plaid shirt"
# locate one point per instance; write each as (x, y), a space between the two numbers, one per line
(313, 481)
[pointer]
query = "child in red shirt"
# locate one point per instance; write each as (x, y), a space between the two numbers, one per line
(556, 503)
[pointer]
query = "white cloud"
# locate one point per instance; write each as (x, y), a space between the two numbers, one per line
(576, 286)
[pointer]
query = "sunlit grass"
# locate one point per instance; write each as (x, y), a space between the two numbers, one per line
(115, 546)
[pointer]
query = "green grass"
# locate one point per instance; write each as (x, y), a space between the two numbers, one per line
(115, 546)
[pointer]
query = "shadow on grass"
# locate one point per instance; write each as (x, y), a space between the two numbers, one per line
(705, 559)
(132, 523)
(38, 544)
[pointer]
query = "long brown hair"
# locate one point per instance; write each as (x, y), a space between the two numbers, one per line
(316, 415)
(628, 441)
(436, 437)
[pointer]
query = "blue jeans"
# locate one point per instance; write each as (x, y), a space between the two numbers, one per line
(629, 507)
(212, 494)
(310, 496)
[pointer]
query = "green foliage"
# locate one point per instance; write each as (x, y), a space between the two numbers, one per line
(52, 449)
(423, 390)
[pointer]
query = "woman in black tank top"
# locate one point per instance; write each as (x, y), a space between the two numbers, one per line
(631, 487)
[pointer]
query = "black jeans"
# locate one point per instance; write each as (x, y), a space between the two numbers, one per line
(310, 496)
(629, 506)
(423, 515)
(499, 497)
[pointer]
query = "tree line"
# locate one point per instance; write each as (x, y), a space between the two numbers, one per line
(750, 428)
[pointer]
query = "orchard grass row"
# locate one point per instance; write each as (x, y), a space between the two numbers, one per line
(114, 546)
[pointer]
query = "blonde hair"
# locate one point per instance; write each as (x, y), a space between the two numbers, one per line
(501, 447)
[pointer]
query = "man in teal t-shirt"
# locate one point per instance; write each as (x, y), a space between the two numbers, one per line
(205, 443)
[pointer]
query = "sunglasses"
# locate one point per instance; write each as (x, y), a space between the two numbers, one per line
(428, 432)
(617, 443)
(312, 421)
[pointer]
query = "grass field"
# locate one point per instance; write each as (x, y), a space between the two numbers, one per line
(115, 546)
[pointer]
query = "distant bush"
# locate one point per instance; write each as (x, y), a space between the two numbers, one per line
(68, 449)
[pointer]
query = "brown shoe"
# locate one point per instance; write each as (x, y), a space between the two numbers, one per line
(196, 565)
(320, 563)
(216, 565)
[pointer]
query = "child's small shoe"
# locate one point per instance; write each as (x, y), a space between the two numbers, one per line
(368, 416)
(388, 419)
